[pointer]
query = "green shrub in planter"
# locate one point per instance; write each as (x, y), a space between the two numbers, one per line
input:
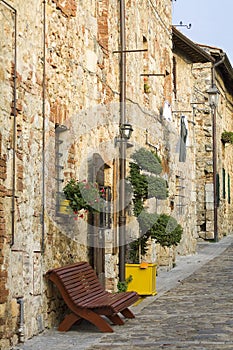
(163, 228)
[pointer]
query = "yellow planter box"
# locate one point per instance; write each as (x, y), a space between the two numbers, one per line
(64, 207)
(144, 278)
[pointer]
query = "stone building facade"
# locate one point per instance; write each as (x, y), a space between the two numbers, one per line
(220, 74)
(196, 68)
(205, 67)
(60, 76)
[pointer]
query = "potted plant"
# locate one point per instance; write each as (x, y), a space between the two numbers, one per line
(84, 196)
(146, 183)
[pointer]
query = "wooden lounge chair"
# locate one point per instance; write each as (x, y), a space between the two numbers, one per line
(87, 299)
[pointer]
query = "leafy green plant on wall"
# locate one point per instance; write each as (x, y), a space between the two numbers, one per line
(84, 195)
(163, 228)
(227, 137)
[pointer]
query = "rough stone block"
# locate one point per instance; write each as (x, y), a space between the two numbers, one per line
(68, 7)
(4, 295)
(2, 310)
(17, 274)
(14, 308)
(4, 344)
(209, 197)
(209, 226)
(210, 206)
(36, 274)
(209, 187)
(91, 60)
(209, 235)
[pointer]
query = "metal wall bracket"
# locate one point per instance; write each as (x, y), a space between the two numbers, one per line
(188, 26)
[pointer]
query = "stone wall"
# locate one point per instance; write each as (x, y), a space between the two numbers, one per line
(204, 168)
(192, 82)
(73, 83)
(184, 181)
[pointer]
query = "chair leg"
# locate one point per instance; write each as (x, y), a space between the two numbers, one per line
(116, 319)
(127, 313)
(68, 322)
(95, 319)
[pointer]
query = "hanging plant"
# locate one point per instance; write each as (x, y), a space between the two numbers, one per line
(227, 137)
(83, 195)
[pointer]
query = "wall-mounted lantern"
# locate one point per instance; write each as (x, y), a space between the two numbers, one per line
(126, 131)
(213, 93)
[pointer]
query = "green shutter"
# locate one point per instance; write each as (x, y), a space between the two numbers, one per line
(217, 189)
(229, 189)
(223, 183)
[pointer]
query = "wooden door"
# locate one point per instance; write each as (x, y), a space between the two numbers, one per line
(97, 234)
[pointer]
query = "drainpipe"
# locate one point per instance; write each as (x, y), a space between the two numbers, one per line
(214, 112)
(122, 211)
(43, 132)
(14, 125)
(20, 301)
(213, 78)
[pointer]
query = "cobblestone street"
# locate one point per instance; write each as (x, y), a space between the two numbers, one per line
(193, 310)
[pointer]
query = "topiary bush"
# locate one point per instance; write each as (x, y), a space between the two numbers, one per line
(163, 228)
(166, 231)
(156, 187)
(148, 161)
